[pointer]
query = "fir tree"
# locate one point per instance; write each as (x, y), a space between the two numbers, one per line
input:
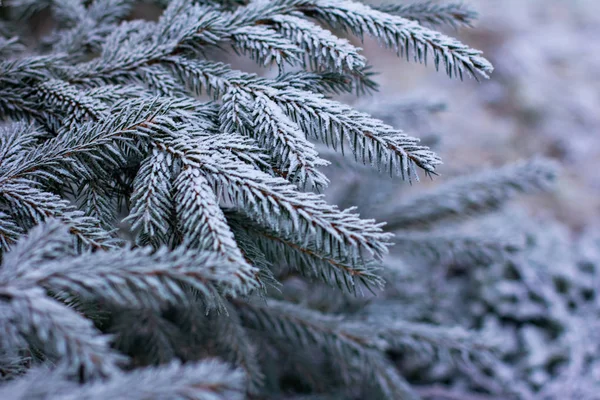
(155, 245)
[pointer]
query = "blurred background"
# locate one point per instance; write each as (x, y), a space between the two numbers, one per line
(542, 99)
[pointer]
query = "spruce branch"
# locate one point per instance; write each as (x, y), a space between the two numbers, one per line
(14, 106)
(203, 223)
(440, 392)
(9, 231)
(326, 82)
(70, 101)
(431, 13)
(98, 202)
(111, 125)
(322, 50)
(16, 138)
(12, 364)
(10, 46)
(480, 193)
(66, 156)
(234, 340)
(84, 27)
(255, 256)
(157, 78)
(205, 380)
(364, 341)
(355, 356)
(297, 158)
(30, 206)
(152, 197)
(42, 244)
(400, 34)
(278, 203)
(183, 27)
(12, 72)
(94, 140)
(244, 149)
(140, 277)
(345, 273)
(425, 339)
(229, 5)
(453, 247)
(152, 340)
(108, 12)
(265, 45)
(28, 316)
(370, 140)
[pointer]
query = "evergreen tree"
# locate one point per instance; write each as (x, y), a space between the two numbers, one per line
(157, 245)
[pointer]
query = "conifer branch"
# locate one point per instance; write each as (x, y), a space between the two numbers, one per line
(31, 206)
(158, 79)
(481, 193)
(209, 379)
(90, 139)
(431, 13)
(265, 45)
(42, 244)
(110, 125)
(400, 34)
(10, 46)
(370, 140)
(98, 203)
(152, 340)
(28, 316)
(70, 101)
(135, 277)
(68, 12)
(12, 72)
(461, 249)
(322, 50)
(139, 277)
(327, 82)
(12, 365)
(203, 223)
(152, 196)
(297, 158)
(258, 259)
(234, 340)
(402, 336)
(344, 273)
(9, 230)
(272, 198)
(354, 355)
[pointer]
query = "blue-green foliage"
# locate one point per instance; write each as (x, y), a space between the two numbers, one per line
(145, 232)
